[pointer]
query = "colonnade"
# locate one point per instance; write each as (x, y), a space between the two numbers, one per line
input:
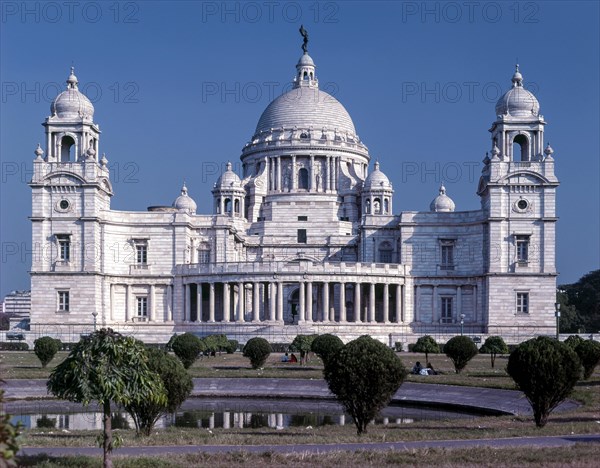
(297, 302)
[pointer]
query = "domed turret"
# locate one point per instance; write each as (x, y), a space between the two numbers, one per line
(377, 193)
(72, 104)
(184, 202)
(228, 179)
(517, 101)
(376, 179)
(442, 203)
(229, 194)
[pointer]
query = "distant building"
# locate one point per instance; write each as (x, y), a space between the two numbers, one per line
(17, 304)
(304, 240)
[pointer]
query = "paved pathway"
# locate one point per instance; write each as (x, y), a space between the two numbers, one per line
(550, 441)
(484, 400)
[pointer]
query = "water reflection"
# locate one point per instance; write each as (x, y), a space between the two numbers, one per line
(224, 413)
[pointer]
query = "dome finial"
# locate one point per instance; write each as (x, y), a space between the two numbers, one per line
(229, 166)
(442, 189)
(72, 80)
(377, 165)
(517, 78)
(184, 191)
(304, 33)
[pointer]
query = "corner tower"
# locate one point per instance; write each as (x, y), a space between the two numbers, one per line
(518, 196)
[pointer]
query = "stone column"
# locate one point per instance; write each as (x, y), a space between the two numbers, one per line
(386, 303)
(342, 302)
(272, 301)
(128, 302)
(188, 303)
(372, 302)
(112, 299)
(226, 420)
(325, 302)
(151, 307)
(199, 302)
(294, 175)
(399, 312)
(226, 303)
(255, 303)
(309, 302)
(357, 287)
(458, 302)
(241, 302)
(170, 303)
(211, 303)
(301, 303)
(434, 307)
(280, 301)
(279, 173)
(311, 178)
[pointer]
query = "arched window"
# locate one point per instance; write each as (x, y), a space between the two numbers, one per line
(67, 149)
(377, 206)
(227, 205)
(236, 206)
(385, 252)
(521, 148)
(303, 179)
(368, 206)
(218, 205)
(386, 206)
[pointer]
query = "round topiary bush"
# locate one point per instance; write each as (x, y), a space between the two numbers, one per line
(460, 350)
(325, 346)
(493, 346)
(426, 344)
(45, 348)
(232, 346)
(588, 352)
(546, 371)
(364, 375)
(187, 348)
(257, 350)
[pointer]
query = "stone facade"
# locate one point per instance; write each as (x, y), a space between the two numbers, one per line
(305, 241)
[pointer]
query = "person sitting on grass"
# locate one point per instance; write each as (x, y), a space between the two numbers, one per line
(417, 368)
(293, 358)
(285, 358)
(430, 370)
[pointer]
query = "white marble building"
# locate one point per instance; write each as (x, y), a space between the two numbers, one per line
(304, 240)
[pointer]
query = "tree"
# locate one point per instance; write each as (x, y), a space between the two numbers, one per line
(45, 349)
(364, 375)
(187, 348)
(9, 434)
(178, 385)
(426, 344)
(215, 343)
(584, 296)
(493, 346)
(257, 350)
(460, 350)
(588, 352)
(107, 367)
(232, 346)
(546, 371)
(303, 344)
(326, 346)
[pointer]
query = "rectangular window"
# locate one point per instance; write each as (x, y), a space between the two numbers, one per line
(64, 247)
(301, 236)
(63, 301)
(522, 302)
(522, 249)
(302, 218)
(447, 249)
(141, 253)
(142, 306)
(446, 310)
(203, 256)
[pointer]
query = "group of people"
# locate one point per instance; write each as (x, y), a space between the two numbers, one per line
(418, 369)
(287, 358)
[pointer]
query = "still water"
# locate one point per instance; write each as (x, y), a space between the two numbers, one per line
(227, 413)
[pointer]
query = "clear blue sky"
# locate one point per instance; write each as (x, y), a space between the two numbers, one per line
(178, 88)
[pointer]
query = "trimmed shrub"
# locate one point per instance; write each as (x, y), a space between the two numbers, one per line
(215, 343)
(364, 375)
(178, 385)
(426, 344)
(398, 347)
(493, 346)
(573, 341)
(257, 350)
(45, 349)
(232, 346)
(460, 350)
(325, 346)
(14, 347)
(187, 348)
(588, 352)
(303, 344)
(546, 371)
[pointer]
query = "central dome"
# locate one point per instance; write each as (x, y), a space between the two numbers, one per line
(305, 107)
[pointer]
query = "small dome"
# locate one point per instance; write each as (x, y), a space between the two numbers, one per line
(442, 203)
(39, 152)
(306, 61)
(72, 103)
(517, 101)
(228, 179)
(184, 202)
(377, 180)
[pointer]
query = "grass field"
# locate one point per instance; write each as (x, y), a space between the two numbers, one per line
(584, 420)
